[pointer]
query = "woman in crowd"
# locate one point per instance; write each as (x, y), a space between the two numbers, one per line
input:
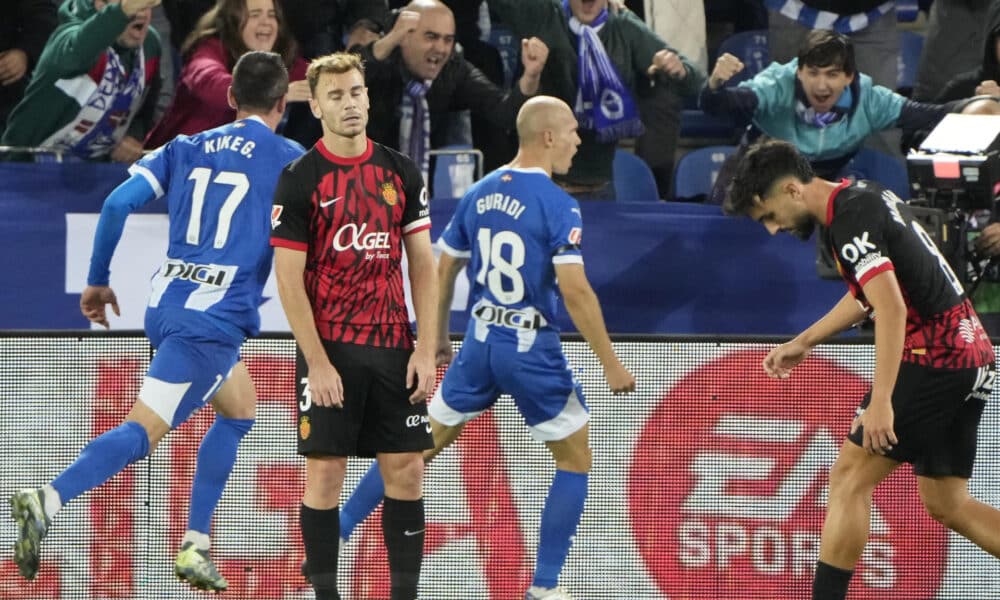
(221, 36)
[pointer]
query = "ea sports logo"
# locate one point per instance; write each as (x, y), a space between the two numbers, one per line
(729, 484)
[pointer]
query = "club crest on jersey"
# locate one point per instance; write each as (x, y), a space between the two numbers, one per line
(305, 428)
(389, 193)
(276, 215)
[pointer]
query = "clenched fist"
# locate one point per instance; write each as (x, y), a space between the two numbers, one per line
(726, 67)
(667, 62)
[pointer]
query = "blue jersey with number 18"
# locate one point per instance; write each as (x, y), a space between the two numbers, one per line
(219, 186)
(514, 226)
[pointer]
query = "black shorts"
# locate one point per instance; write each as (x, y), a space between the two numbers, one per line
(377, 415)
(937, 414)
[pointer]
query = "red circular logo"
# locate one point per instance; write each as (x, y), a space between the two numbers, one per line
(728, 488)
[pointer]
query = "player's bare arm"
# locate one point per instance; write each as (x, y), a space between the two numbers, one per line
(93, 301)
(448, 269)
(781, 360)
(324, 381)
(420, 371)
(883, 293)
(585, 311)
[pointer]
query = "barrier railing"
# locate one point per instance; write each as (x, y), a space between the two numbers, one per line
(709, 483)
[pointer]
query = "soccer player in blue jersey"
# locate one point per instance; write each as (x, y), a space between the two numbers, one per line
(204, 302)
(520, 234)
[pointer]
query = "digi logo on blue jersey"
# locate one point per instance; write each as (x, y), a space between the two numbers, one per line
(220, 198)
(514, 226)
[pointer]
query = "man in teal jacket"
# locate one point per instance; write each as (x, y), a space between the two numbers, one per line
(604, 105)
(93, 92)
(819, 102)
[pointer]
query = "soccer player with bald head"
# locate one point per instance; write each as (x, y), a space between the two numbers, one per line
(520, 234)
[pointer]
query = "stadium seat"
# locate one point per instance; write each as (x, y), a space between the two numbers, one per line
(696, 123)
(879, 167)
(911, 45)
(509, 47)
(697, 171)
(907, 10)
(751, 48)
(634, 181)
(454, 171)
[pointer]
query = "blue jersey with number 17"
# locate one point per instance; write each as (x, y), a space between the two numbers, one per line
(514, 226)
(219, 186)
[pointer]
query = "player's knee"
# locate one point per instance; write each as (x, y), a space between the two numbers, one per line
(579, 461)
(240, 426)
(846, 479)
(246, 411)
(325, 480)
(153, 434)
(944, 506)
(403, 473)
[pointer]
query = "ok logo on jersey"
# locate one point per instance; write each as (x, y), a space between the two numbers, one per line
(853, 250)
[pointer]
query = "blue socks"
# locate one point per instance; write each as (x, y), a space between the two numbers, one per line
(563, 509)
(363, 501)
(104, 457)
(216, 457)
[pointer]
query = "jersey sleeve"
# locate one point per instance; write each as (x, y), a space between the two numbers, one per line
(416, 211)
(859, 236)
(290, 213)
(566, 232)
(455, 239)
(155, 167)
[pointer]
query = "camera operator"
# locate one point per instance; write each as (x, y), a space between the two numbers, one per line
(986, 297)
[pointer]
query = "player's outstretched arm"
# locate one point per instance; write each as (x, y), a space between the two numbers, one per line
(782, 359)
(324, 381)
(585, 310)
(448, 269)
(424, 286)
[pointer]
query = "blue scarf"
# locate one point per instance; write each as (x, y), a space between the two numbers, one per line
(808, 114)
(812, 18)
(603, 105)
(415, 125)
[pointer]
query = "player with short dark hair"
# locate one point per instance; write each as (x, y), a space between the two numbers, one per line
(521, 234)
(934, 363)
(203, 303)
(343, 214)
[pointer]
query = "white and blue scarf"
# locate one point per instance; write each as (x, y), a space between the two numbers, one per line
(603, 105)
(840, 110)
(812, 18)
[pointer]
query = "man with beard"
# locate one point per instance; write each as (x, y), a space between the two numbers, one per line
(94, 90)
(416, 79)
(934, 363)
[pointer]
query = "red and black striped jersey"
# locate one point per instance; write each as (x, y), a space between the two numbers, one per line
(349, 216)
(871, 231)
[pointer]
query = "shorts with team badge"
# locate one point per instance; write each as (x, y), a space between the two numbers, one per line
(376, 415)
(936, 418)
